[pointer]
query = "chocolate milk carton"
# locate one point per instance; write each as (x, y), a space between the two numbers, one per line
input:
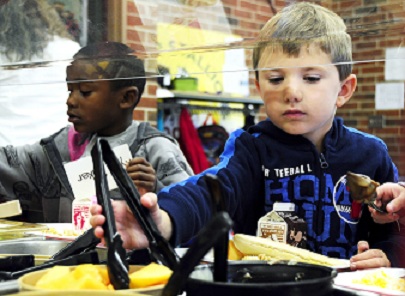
(297, 232)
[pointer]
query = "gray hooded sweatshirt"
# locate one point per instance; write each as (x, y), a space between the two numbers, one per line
(35, 174)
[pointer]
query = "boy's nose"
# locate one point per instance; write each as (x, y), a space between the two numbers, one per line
(71, 101)
(292, 93)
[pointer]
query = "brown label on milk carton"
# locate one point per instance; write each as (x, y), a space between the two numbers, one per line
(272, 226)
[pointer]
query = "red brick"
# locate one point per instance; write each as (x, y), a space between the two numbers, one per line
(134, 21)
(242, 14)
(152, 88)
(366, 45)
(148, 103)
(131, 8)
(139, 115)
(248, 5)
(230, 2)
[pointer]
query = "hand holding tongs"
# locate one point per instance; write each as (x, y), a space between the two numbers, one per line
(160, 248)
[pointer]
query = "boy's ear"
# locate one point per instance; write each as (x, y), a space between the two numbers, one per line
(257, 85)
(129, 97)
(347, 89)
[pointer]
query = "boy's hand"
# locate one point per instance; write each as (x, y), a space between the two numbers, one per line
(131, 233)
(393, 195)
(142, 174)
(368, 258)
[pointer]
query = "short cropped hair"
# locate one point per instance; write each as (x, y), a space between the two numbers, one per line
(302, 24)
(114, 61)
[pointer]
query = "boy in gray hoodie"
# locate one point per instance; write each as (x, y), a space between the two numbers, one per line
(105, 83)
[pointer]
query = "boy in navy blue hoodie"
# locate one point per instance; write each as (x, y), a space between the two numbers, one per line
(297, 155)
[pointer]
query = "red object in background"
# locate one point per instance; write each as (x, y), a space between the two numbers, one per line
(190, 143)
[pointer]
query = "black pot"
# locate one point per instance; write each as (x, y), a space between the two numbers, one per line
(254, 278)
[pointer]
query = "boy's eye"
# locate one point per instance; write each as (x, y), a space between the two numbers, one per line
(276, 80)
(312, 78)
(85, 93)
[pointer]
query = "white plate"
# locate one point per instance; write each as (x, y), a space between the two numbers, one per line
(345, 279)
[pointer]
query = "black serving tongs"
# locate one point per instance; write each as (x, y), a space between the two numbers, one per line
(221, 246)
(90, 257)
(159, 247)
(16, 262)
(83, 243)
(116, 264)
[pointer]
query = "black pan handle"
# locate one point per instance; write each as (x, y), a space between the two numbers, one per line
(218, 226)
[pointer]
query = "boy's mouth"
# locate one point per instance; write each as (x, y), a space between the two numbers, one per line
(72, 117)
(293, 114)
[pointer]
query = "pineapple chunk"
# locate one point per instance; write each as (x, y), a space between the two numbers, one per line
(82, 277)
(103, 271)
(87, 282)
(150, 275)
(87, 276)
(57, 278)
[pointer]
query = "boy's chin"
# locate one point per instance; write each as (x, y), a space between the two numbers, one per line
(294, 129)
(80, 129)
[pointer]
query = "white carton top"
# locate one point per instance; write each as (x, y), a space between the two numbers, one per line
(284, 207)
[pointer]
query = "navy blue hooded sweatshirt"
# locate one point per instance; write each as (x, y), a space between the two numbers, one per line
(266, 165)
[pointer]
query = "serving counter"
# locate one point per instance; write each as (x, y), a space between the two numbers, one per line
(43, 247)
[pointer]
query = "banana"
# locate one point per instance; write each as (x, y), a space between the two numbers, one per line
(266, 249)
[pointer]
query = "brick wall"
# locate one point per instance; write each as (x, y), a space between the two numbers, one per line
(373, 24)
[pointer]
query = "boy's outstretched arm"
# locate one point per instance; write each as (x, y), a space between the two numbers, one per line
(368, 258)
(128, 227)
